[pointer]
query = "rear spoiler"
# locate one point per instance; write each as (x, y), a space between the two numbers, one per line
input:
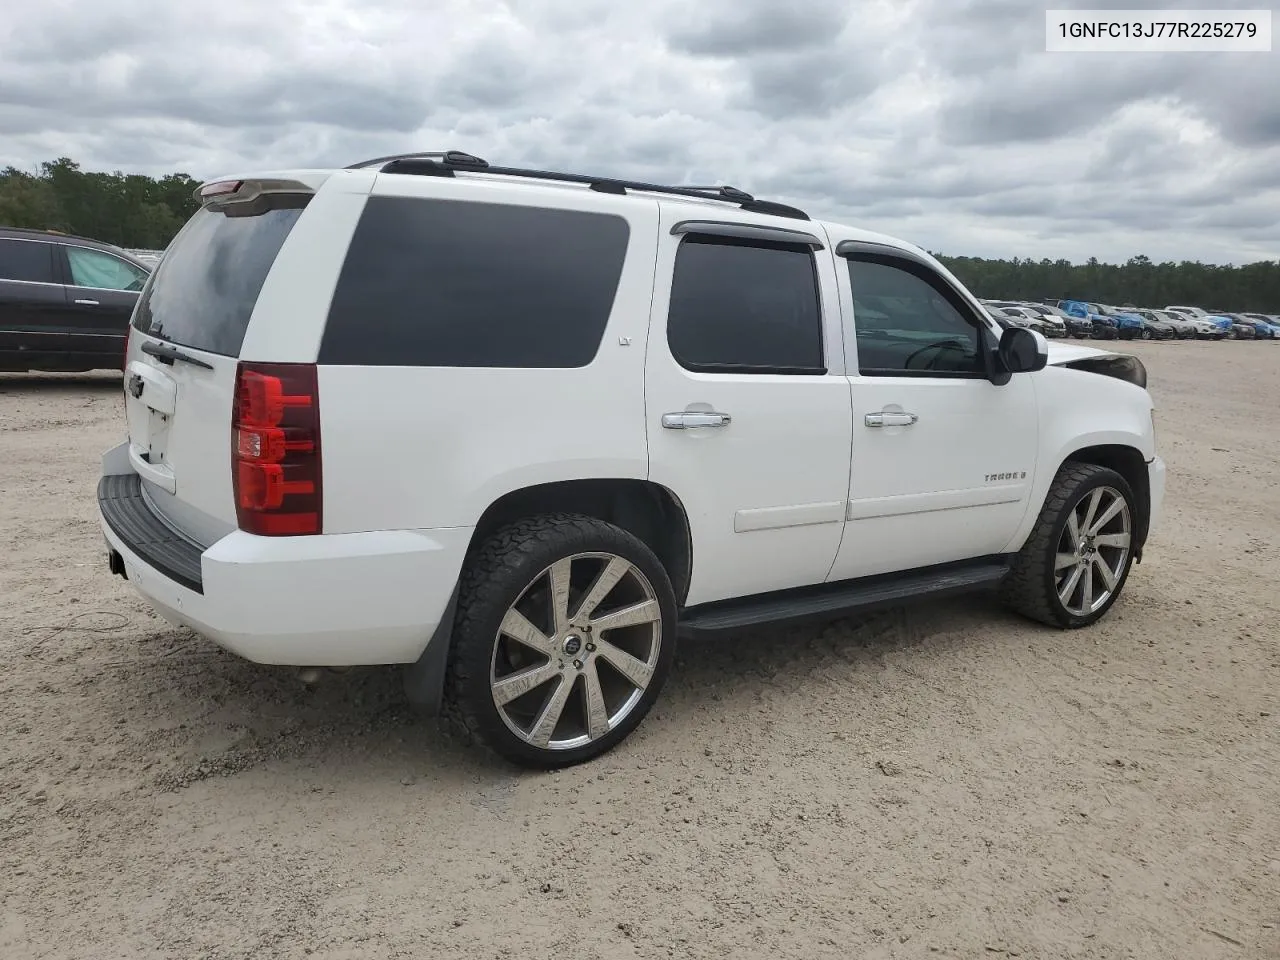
(223, 193)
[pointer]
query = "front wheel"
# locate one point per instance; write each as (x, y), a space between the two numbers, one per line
(1077, 559)
(564, 635)
(1146, 335)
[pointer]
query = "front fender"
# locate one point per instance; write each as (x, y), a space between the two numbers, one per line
(1079, 410)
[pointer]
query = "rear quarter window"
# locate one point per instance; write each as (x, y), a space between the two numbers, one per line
(462, 284)
(29, 261)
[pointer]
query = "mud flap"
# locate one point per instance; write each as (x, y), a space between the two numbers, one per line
(424, 679)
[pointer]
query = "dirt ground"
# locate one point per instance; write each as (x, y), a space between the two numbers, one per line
(943, 781)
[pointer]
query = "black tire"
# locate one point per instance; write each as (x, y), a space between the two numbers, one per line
(1146, 334)
(1030, 587)
(495, 576)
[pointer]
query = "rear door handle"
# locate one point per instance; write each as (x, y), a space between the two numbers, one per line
(88, 303)
(688, 421)
(883, 419)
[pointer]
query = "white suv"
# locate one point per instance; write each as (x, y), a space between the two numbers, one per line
(517, 430)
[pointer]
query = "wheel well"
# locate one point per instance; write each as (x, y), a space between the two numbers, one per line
(1130, 464)
(650, 512)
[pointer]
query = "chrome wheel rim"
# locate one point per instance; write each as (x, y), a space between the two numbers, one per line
(1093, 551)
(576, 652)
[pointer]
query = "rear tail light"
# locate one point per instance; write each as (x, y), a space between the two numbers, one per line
(275, 449)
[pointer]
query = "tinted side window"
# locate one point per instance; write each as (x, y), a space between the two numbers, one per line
(26, 260)
(745, 306)
(907, 325)
(462, 284)
(102, 271)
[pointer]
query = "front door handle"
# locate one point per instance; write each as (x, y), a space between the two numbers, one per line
(690, 420)
(883, 419)
(88, 303)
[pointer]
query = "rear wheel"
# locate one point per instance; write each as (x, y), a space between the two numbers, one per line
(1077, 559)
(564, 635)
(1146, 333)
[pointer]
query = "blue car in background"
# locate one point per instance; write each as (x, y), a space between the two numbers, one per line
(1129, 326)
(1104, 327)
(1241, 328)
(1264, 326)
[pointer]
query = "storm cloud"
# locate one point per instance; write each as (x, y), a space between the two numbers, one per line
(941, 121)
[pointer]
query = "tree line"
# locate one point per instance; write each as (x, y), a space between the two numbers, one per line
(139, 212)
(1138, 282)
(129, 210)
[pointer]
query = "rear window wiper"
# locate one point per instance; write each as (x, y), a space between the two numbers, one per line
(167, 354)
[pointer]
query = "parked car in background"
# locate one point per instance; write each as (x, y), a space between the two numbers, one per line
(1155, 326)
(1189, 311)
(1221, 326)
(1033, 320)
(1104, 327)
(1183, 327)
(1241, 329)
(1079, 327)
(1129, 326)
(65, 301)
(1055, 318)
(1187, 327)
(1007, 319)
(1262, 325)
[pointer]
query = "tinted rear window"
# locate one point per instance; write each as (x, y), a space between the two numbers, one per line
(462, 284)
(204, 290)
(27, 260)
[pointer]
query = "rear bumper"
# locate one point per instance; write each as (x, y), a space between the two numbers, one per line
(330, 600)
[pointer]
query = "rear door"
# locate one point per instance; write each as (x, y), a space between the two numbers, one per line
(101, 292)
(31, 301)
(189, 332)
(747, 407)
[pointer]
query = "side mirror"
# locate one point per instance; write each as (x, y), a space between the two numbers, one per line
(1022, 350)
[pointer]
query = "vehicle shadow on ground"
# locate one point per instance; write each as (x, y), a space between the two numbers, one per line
(103, 381)
(200, 712)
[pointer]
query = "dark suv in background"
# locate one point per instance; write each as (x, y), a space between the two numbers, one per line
(65, 301)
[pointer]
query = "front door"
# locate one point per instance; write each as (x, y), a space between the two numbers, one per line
(748, 413)
(943, 459)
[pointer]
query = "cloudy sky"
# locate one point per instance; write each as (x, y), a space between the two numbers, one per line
(940, 121)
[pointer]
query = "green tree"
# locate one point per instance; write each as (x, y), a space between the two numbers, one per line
(125, 209)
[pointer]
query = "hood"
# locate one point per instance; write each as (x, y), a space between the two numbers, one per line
(1107, 363)
(1061, 354)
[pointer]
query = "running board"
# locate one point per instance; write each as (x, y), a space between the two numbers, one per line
(830, 601)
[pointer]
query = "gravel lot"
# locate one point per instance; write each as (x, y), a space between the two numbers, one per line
(943, 781)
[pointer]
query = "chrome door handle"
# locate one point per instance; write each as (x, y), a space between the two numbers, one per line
(883, 419)
(88, 303)
(687, 421)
